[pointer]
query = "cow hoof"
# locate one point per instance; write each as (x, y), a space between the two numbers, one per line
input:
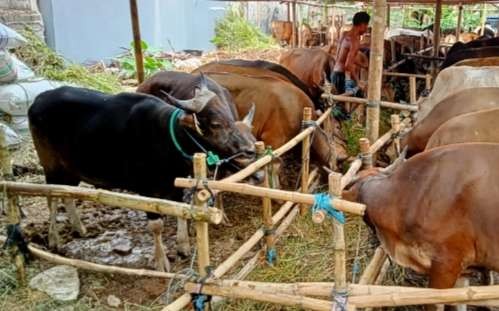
(184, 251)
(162, 263)
(79, 227)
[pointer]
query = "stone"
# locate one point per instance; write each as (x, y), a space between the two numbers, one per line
(113, 301)
(61, 283)
(122, 245)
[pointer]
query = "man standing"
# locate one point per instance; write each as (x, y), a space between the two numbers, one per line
(345, 73)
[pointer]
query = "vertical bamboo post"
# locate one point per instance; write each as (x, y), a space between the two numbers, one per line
(268, 225)
(5, 160)
(375, 69)
(459, 21)
(395, 122)
(340, 275)
(428, 82)
(202, 240)
(288, 11)
(366, 156)
(393, 51)
(14, 220)
(462, 282)
(295, 25)
(436, 35)
(305, 157)
(137, 42)
(412, 90)
(388, 16)
(483, 18)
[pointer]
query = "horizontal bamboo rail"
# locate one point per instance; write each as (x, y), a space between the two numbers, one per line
(85, 265)
(387, 136)
(358, 100)
(146, 204)
(406, 75)
(341, 205)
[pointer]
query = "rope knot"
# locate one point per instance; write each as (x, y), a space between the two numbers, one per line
(307, 124)
(322, 202)
(271, 256)
(340, 301)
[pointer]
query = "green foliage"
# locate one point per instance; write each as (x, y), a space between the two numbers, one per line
(152, 63)
(48, 64)
(353, 131)
(234, 33)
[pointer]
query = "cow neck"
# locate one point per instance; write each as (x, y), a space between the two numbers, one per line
(172, 124)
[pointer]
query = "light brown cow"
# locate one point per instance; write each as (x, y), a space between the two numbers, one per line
(480, 126)
(460, 103)
(436, 213)
(282, 31)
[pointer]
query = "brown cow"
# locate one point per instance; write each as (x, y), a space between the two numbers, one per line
(310, 66)
(436, 213)
(282, 31)
(465, 101)
(480, 126)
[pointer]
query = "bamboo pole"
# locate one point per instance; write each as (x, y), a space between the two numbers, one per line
(459, 21)
(483, 18)
(158, 206)
(5, 160)
(402, 74)
(225, 266)
(462, 282)
(268, 225)
(305, 158)
(395, 123)
(137, 42)
(14, 219)
(350, 174)
(388, 16)
(373, 268)
(428, 82)
(357, 100)
(375, 69)
(295, 25)
(393, 51)
(412, 90)
(387, 136)
(202, 238)
(340, 269)
(436, 35)
(341, 205)
(85, 265)
(365, 154)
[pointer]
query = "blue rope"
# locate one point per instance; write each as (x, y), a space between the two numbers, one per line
(199, 301)
(271, 256)
(322, 202)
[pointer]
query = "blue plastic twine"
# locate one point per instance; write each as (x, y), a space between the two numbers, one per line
(322, 202)
(199, 301)
(271, 256)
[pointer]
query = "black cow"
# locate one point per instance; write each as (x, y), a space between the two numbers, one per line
(127, 141)
(474, 49)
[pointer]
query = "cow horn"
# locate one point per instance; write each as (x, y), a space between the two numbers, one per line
(203, 85)
(248, 119)
(392, 167)
(196, 104)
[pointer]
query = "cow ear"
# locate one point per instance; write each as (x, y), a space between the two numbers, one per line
(189, 120)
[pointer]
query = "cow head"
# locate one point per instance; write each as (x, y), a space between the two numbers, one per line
(212, 116)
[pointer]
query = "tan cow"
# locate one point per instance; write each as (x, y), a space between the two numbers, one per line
(480, 126)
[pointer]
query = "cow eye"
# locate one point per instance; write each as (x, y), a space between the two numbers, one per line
(215, 125)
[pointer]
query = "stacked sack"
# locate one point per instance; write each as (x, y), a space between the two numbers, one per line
(18, 88)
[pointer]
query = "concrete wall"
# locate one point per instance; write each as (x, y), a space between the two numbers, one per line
(85, 30)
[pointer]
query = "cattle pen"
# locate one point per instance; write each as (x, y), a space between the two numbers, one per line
(209, 281)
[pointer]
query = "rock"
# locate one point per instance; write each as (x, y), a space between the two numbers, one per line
(122, 245)
(60, 283)
(113, 301)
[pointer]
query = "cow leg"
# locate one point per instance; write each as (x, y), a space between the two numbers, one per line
(53, 236)
(444, 274)
(74, 215)
(183, 244)
(160, 259)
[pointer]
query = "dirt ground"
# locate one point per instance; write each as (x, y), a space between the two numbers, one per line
(120, 237)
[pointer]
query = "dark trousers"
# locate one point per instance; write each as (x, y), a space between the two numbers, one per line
(338, 81)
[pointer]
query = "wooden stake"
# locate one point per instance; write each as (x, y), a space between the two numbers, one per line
(305, 158)
(5, 160)
(340, 271)
(373, 268)
(375, 69)
(428, 82)
(158, 206)
(339, 204)
(395, 122)
(412, 90)
(202, 239)
(268, 225)
(483, 18)
(137, 42)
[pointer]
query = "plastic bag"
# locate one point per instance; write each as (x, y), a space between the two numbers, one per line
(9, 38)
(8, 69)
(12, 139)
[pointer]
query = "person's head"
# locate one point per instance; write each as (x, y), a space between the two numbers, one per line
(361, 21)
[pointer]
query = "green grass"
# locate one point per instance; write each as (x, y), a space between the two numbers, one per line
(353, 131)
